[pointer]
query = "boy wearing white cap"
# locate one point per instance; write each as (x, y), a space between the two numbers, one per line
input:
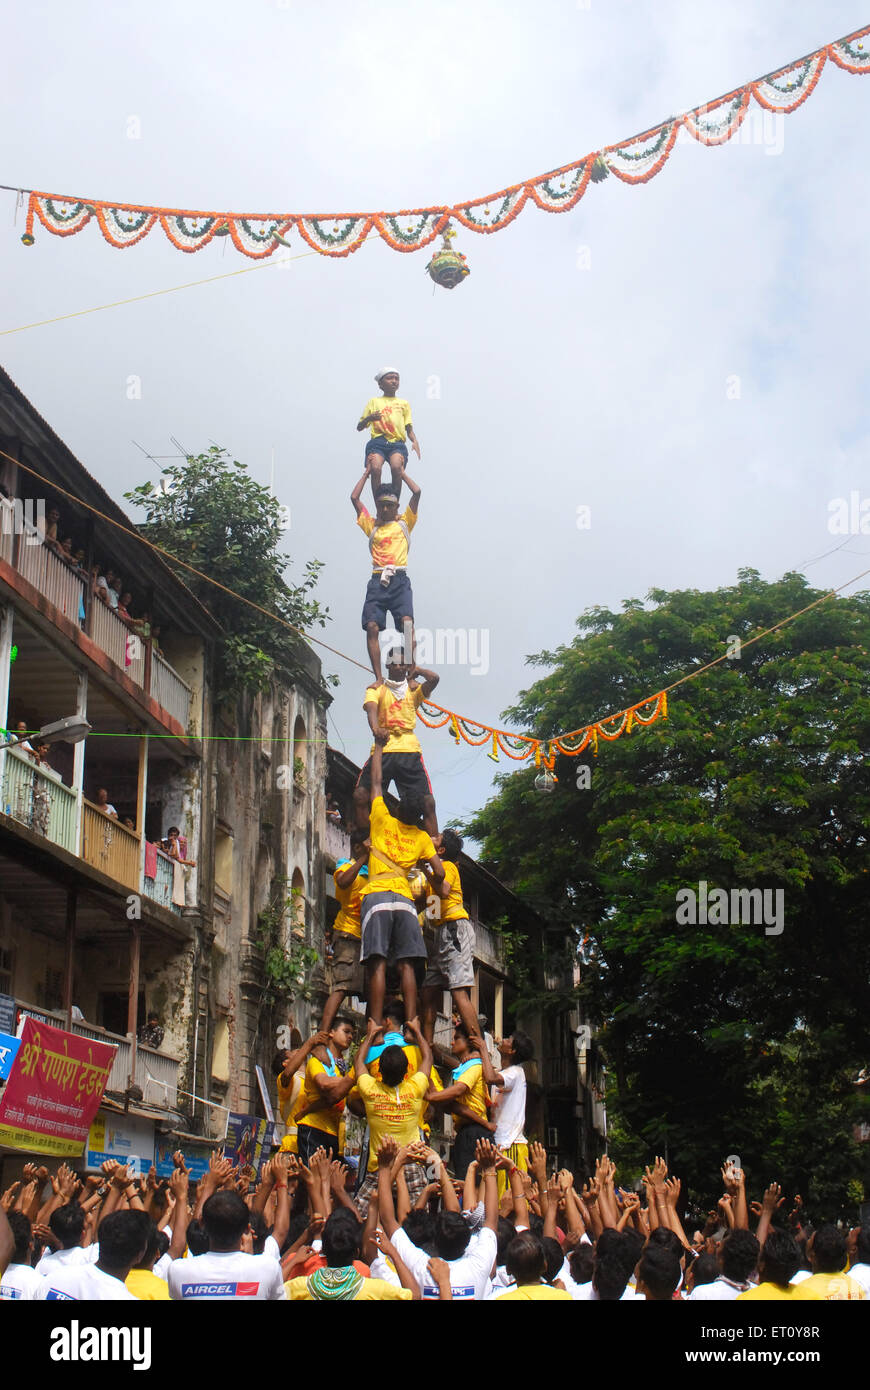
(389, 416)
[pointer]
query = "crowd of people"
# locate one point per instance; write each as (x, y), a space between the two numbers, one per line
(412, 1230)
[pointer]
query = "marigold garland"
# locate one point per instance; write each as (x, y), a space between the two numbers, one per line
(522, 747)
(258, 235)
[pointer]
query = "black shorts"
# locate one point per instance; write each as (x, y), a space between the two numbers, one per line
(309, 1140)
(407, 770)
(395, 598)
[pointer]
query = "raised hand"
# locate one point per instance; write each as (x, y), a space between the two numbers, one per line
(387, 1152)
(8, 1199)
(773, 1198)
(486, 1153)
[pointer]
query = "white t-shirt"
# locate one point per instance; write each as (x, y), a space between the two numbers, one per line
(19, 1281)
(67, 1259)
(803, 1274)
(85, 1283)
(469, 1275)
(721, 1290)
(861, 1274)
(272, 1248)
(510, 1108)
(226, 1275)
(162, 1266)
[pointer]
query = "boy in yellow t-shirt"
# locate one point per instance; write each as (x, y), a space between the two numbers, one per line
(390, 928)
(390, 418)
(346, 973)
(319, 1109)
(467, 1096)
(389, 588)
(394, 1103)
(391, 709)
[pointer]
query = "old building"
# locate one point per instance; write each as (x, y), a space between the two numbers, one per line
(99, 924)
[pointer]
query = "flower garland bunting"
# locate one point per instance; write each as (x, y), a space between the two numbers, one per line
(522, 747)
(633, 161)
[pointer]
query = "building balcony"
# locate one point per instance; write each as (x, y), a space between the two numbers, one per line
(560, 1073)
(155, 1073)
(488, 947)
(336, 842)
(36, 798)
(64, 588)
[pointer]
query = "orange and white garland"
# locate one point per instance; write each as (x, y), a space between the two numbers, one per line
(634, 161)
(522, 747)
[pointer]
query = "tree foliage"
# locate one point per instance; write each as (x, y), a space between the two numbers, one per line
(723, 1039)
(211, 514)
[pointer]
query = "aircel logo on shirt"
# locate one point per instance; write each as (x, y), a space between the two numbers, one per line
(219, 1290)
(461, 1291)
(7, 1292)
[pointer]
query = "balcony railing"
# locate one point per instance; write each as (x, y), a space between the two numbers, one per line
(336, 842)
(38, 799)
(169, 690)
(114, 638)
(488, 946)
(64, 587)
(51, 575)
(109, 846)
(159, 888)
(156, 1072)
(7, 530)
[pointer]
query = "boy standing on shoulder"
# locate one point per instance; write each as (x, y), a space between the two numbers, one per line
(390, 418)
(389, 589)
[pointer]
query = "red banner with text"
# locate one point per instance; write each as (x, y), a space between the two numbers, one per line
(54, 1090)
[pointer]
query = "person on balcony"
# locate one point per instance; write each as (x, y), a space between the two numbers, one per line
(103, 804)
(176, 848)
(151, 1033)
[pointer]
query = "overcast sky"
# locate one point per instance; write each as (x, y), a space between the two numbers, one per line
(589, 360)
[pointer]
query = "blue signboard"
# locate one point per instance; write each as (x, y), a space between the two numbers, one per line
(8, 1048)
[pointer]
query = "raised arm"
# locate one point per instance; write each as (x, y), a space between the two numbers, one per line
(295, 1060)
(356, 495)
(279, 1168)
(359, 1067)
(376, 771)
(344, 878)
(430, 679)
(386, 1153)
(425, 1049)
(771, 1200)
(7, 1242)
(179, 1183)
(415, 490)
(486, 1154)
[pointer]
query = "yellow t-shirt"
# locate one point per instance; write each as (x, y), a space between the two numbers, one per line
(349, 903)
(404, 844)
(398, 717)
(769, 1293)
(142, 1283)
(828, 1287)
(393, 1110)
(289, 1091)
(395, 418)
(476, 1098)
(329, 1119)
(452, 908)
(369, 1289)
(390, 545)
(534, 1293)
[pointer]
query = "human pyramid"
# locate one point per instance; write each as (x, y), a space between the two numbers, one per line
(403, 876)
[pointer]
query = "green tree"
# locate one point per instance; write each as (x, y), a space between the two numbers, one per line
(211, 514)
(722, 1038)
